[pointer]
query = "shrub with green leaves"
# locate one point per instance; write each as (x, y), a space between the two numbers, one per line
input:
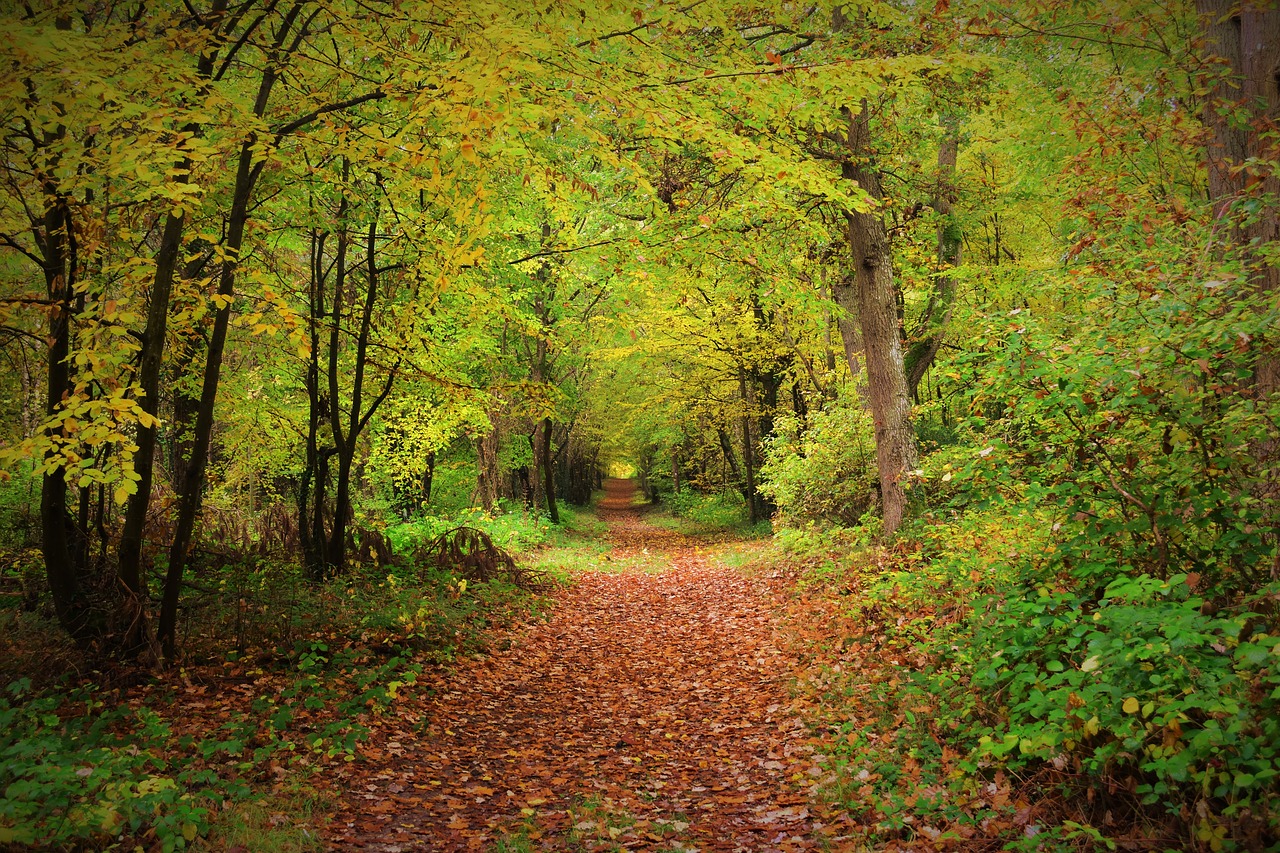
(1137, 649)
(1139, 686)
(714, 511)
(73, 772)
(827, 471)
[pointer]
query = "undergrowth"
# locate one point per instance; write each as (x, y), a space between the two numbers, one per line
(693, 512)
(279, 678)
(972, 694)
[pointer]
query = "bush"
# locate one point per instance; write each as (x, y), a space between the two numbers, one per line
(824, 473)
(715, 511)
(1094, 611)
(73, 773)
(509, 527)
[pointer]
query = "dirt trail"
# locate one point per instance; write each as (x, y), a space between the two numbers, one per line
(649, 713)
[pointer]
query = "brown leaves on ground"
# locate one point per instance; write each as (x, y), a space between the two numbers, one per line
(650, 712)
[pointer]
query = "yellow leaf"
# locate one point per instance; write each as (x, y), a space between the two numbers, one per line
(1130, 705)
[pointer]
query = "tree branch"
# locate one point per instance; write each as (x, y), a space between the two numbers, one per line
(302, 121)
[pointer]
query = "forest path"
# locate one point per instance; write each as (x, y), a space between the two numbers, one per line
(650, 712)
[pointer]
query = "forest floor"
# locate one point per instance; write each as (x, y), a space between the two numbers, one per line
(650, 711)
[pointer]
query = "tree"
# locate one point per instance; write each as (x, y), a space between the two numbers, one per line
(873, 286)
(85, 165)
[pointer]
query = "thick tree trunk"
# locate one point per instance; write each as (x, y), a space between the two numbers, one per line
(844, 294)
(1244, 38)
(878, 319)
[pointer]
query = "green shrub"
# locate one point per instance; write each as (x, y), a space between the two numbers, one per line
(73, 772)
(826, 472)
(510, 527)
(714, 511)
(1140, 686)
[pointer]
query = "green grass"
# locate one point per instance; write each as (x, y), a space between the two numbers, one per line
(562, 562)
(288, 821)
(510, 526)
(744, 555)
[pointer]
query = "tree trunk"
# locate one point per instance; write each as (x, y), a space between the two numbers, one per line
(1245, 40)
(548, 471)
(62, 540)
(748, 451)
(844, 294)
(358, 417)
(129, 553)
(248, 169)
(427, 476)
(486, 493)
(878, 319)
(731, 458)
(312, 486)
(937, 313)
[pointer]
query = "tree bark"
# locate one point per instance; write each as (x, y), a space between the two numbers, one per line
(62, 540)
(129, 570)
(878, 319)
(486, 493)
(129, 553)
(844, 294)
(427, 476)
(731, 457)
(1245, 39)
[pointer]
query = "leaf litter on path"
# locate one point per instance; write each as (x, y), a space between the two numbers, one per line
(650, 711)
